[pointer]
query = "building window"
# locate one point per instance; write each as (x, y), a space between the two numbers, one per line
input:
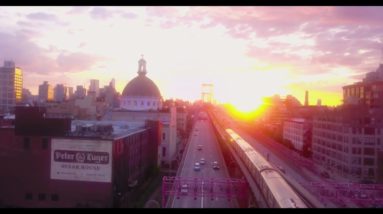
(148, 103)
(163, 136)
(41, 196)
(44, 143)
(371, 172)
(369, 151)
(54, 197)
(163, 151)
(27, 143)
(28, 196)
(142, 102)
(368, 161)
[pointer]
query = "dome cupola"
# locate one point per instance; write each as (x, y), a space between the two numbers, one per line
(141, 93)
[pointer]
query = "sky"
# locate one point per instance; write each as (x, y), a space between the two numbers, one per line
(246, 52)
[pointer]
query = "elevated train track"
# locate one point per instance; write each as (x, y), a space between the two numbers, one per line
(266, 182)
(273, 186)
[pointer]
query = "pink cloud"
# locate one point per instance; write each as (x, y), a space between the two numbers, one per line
(42, 16)
(315, 22)
(75, 62)
(100, 13)
(31, 58)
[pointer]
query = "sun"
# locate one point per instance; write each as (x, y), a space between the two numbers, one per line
(248, 106)
(245, 111)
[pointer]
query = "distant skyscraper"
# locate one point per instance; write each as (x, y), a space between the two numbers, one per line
(112, 83)
(11, 86)
(319, 102)
(94, 87)
(45, 92)
(306, 98)
(60, 93)
(70, 92)
(80, 92)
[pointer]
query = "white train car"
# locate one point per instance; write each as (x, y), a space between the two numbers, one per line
(277, 192)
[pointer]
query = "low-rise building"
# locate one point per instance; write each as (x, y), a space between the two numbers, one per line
(347, 142)
(167, 151)
(298, 131)
(56, 162)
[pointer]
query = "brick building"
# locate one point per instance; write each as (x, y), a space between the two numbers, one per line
(56, 162)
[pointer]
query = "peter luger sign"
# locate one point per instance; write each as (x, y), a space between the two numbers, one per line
(81, 160)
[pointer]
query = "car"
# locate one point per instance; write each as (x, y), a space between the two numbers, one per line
(363, 196)
(184, 189)
(202, 161)
(197, 167)
(215, 165)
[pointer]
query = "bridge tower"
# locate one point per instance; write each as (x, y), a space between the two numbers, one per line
(207, 92)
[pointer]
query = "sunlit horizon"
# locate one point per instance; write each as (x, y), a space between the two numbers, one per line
(253, 53)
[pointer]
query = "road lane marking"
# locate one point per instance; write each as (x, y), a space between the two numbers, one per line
(202, 195)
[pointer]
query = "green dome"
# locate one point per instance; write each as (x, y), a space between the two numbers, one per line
(141, 86)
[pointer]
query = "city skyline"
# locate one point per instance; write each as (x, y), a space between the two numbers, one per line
(246, 52)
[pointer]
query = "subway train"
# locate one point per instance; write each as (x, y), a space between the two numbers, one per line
(276, 191)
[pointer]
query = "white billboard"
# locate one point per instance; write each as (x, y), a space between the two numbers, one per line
(81, 160)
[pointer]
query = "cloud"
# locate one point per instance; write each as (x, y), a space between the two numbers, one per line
(34, 59)
(26, 54)
(38, 64)
(100, 13)
(75, 62)
(162, 11)
(38, 19)
(42, 16)
(359, 15)
(78, 10)
(129, 15)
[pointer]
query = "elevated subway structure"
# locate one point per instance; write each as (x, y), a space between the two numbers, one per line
(258, 197)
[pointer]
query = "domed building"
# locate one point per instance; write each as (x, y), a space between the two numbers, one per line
(141, 93)
(141, 101)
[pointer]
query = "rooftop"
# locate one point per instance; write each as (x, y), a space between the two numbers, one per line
(104, 129)
(297, 120)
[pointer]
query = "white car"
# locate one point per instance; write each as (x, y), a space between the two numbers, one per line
(197, 167)
(215, 165)
(202, 161)
(184, 189)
